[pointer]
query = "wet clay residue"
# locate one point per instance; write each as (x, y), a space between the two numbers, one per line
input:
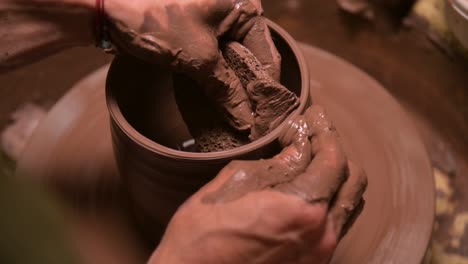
(258, 40)
(270, 100)
(255, 105)
(259, 76)
(312, 165)
(219, 138)
(207, 126)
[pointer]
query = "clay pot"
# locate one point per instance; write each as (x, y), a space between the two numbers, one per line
(147, 126)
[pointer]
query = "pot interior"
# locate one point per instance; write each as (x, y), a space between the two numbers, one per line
(162, 105)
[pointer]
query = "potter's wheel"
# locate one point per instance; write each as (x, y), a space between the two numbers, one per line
(72, 149)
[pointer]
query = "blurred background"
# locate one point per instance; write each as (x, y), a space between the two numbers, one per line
(415, 49)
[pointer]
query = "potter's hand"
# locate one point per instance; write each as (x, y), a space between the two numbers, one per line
(184, 35)
(272, 211)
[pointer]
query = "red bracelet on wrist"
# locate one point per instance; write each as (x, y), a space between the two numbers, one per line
(101, 33)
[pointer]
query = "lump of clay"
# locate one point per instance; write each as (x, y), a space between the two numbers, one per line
(271, 101)
(219, 138)
(258, 40)
(207, 126)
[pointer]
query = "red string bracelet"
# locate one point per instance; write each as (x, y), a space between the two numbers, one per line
(102, 37)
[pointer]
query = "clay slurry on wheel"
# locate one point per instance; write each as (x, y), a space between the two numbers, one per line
(271, 101)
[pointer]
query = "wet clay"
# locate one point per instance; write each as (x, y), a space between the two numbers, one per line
(348, 203)
(196, 54)
(312, 166)
(225, 89)
(158, 39)
(271, 101)
(200, 60)
(219, 138)
(258, 40)
(207, 126)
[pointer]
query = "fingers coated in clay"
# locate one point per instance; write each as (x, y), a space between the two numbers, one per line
(349, 202)
(226, 90)
(271, 101)
(327, 171)
(247, 176)
(309, 137)
(258, 40)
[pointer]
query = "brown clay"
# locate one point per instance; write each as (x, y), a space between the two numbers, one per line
(349, 203)
(309, 136)
(327, 171)
(234, 100)
(271, 102)
(147, 126)
(312, 165)
(195, 54)
(256, 40)
(74, 142)
(219, 138)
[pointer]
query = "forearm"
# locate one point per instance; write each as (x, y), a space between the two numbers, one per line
(33, 29)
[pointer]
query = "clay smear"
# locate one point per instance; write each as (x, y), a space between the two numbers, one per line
(270, 101)
(312, 166)
(259, 77)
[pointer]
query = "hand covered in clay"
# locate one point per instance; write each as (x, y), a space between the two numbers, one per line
(185, 34)
(292, 208)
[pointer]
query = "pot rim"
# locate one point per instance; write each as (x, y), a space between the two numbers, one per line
(146, 143)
